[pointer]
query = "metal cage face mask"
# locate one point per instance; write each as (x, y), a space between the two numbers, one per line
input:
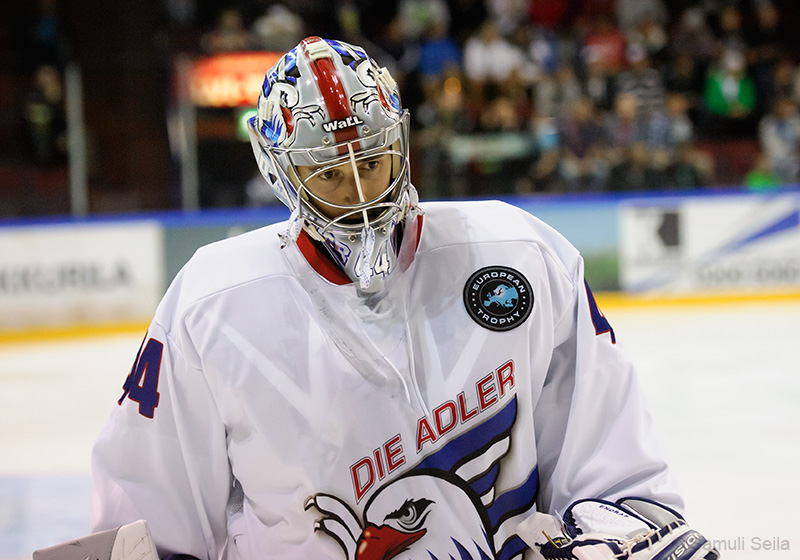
(326, 108)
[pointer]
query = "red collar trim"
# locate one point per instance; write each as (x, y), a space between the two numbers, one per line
(319, 259)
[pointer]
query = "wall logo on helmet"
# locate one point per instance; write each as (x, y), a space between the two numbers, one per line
(341, 124)
(498, 298)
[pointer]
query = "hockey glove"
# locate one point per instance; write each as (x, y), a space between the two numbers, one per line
(630, 529)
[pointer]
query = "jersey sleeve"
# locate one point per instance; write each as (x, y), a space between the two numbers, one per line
(162, 455)
(595, 435)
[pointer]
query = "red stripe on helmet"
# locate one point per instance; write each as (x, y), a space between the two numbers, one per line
(332, 90)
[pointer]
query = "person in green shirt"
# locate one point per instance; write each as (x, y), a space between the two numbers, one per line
(730, 91)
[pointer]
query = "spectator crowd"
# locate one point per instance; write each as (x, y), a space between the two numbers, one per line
(607, 94)
(602, 95)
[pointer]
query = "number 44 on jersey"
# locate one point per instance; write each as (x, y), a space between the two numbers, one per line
(141, 385)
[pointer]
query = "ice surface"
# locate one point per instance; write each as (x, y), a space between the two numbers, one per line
(723, 381)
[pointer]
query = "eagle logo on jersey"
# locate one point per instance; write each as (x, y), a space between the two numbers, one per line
(498, 298)
(447, 506)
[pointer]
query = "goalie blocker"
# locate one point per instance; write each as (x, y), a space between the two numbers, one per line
(630, 529)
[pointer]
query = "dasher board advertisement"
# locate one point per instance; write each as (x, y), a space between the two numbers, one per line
(710, 244)
(61, 275)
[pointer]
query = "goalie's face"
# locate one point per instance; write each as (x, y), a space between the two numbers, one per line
(336, 190)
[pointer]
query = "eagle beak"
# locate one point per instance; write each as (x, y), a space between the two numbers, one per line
(383, 543)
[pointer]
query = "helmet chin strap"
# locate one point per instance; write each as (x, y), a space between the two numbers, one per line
(364, 271)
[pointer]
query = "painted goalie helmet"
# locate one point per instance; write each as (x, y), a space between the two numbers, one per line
(327, 109)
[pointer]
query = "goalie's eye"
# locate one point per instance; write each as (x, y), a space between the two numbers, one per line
(411, 514)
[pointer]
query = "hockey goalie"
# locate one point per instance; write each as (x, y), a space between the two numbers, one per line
(378, 377)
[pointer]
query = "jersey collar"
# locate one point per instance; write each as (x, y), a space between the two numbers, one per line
(320, 260)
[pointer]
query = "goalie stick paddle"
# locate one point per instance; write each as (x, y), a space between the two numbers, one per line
(128, 542)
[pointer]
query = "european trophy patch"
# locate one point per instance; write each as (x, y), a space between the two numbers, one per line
(498, 298)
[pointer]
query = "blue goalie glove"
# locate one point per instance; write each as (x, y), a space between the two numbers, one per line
(630, 529)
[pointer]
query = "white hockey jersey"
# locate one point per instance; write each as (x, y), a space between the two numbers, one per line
(273, 414)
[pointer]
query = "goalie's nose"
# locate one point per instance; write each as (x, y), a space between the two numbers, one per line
(383, 543)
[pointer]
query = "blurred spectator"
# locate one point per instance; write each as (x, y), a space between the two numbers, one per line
(782, 83)
(41, 187)
(679, 129)
(441, 115)
(653, 37)
(570, 47)
(279, 29)
(683, 75)
(692, 48)
(589, 10)
(446, 110)
(729, 96)
(554, 93)
(404, 53)
(631, 13)
(693, 37)
(229, 35)
(626, 133)
(507, 14)
(526, 40)
(417, 17)
(767, 41)
(542, 50)
(606, 44)
(490, 60)
(45, 124)
(47, 40)
(598, 84)
(550, 15)
(642, 81)
(508, 107)
(501, 114)
(439, 56)
(583, 165)
(349, 18)
(730, 32)
(542, 175)
(779, 135)
(766, 46)
(675, 161)
(465, 17)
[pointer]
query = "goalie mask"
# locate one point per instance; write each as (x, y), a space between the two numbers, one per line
(331, 139)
